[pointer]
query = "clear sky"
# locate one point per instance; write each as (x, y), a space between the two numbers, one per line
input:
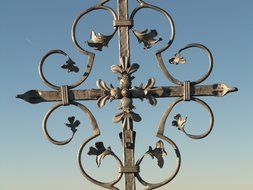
(223, 160)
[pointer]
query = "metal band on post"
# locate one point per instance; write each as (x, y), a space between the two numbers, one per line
(123, 23)
(65, 95)
(187, 91)
(134, 169)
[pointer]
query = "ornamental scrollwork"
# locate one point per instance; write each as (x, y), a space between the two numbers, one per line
(67, 95)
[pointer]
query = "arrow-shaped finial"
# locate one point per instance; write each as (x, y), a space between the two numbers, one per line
(32, 96)
(223, 89)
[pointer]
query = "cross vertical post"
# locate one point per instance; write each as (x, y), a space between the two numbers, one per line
(128, 135)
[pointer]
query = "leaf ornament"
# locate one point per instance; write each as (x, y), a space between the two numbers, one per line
(73, 124)
(98, 41)
(100, 152)
(177, 59)
(70, 66)
(147, 38)
(179, 122)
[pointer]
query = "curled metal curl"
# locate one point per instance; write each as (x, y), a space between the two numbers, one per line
(172, 105)
(150, 186)
(56, 106)
(74, 25)
(143, 5)
(178, 82)
(53, 86)
(108, 185)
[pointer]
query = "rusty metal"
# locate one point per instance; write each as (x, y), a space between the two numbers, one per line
(65, 95)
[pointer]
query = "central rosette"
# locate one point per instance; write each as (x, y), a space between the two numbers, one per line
(125, 91)
(125, 70)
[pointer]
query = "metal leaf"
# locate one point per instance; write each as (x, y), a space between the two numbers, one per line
(100, 152)
(117, 69)
(179, 122)
(152, 100)
(102, 100)
(73, 124)
(118, 117)
(135, 117)
(99, 158)
(147, 38)
(70, 66)
(98, 41)
(177, 59)
(150, 84)
(133, 68)
(99, 149)
(102, 85)
(158, 153)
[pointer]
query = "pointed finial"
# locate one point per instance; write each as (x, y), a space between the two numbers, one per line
(31, 96)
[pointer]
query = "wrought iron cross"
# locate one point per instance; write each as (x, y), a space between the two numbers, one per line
(184, 91)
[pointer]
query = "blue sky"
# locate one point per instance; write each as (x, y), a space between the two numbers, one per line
(224, 160)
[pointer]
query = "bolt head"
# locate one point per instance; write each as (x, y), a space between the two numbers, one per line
(125, 92)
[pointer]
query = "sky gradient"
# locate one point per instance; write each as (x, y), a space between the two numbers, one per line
(29, 29)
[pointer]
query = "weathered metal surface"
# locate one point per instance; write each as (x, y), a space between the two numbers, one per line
(128, 115)
(66, 95)
(38, 96)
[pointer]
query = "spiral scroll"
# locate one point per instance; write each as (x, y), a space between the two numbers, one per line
(83, 108)
(149, 186)
(98, 40)
(71, 86)
(143, 5)
(201, 79)
(172, 105)
(108, 185)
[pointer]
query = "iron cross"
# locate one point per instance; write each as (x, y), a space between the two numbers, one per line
(65, 95)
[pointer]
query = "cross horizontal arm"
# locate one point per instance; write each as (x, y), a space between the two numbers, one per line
(38, 96)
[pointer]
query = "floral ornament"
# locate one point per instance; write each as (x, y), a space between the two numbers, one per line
(158, 153)
(179, 122)
(147, 91)
(70, 66)
(73, 124)
(98, 41)
(100, 152)
(110, 93)
(177, 59)
(147, 38)
(125, 71)
(126, 114)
